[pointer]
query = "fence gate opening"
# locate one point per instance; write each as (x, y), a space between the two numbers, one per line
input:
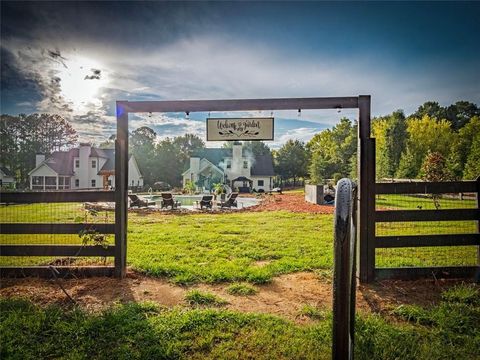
(365, 155)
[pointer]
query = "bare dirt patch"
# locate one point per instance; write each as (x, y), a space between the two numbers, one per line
(284, 296)
(291, 202)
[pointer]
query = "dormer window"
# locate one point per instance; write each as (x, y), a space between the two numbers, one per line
(245, 164)
(77, 163)
(94, 164)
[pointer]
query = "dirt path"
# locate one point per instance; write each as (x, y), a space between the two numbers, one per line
(284, 296)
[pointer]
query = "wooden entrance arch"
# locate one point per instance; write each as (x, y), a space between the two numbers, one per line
(366, 159)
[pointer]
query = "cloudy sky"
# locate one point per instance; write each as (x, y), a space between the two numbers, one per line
(78, 58)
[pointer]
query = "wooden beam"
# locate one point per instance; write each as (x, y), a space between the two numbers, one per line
(121, 192)
(366, 205)
(239, 104)
(365, 245)
(426, 215)
(412, 273)
(56, 197)
(64, 271)
(421, 187)
(31, 228)
(427, 240)
(56, 250)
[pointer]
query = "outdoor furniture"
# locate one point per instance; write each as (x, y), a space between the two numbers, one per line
(206, 201)
(231, 201)
(135, 201)
(167, 200)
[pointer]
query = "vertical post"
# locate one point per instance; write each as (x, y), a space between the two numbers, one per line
(344, 280)
(121, 183)
(478, 230)
(366, 193)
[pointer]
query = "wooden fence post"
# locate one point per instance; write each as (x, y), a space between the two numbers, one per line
(366, 198)
(121, 191)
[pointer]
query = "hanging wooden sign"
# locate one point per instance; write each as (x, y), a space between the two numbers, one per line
(224, 129)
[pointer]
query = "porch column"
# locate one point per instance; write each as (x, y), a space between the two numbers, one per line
(44, 183)
(56, 183)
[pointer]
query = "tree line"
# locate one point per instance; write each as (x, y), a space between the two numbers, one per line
(406, 146)
(23, 136)
(443, 141)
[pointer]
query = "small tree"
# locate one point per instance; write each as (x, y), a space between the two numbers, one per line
(434, 168)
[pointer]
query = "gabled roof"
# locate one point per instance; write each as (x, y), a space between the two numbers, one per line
(109, 165)
(263, 166)
(6, 171)
(61, 162)
(215, 156)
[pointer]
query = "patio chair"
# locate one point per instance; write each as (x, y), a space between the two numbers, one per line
(206, 202)
(135, 201)
(167, 200)
(230, 201)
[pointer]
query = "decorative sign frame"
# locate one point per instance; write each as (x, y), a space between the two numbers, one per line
(225, 129)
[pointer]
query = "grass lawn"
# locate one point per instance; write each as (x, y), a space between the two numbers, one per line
(448, 330)
(230, 247)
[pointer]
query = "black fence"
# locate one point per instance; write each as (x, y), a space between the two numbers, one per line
(41, 230)
(426, 229)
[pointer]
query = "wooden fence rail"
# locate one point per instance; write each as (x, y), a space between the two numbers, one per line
(16, 198)
(452, 239)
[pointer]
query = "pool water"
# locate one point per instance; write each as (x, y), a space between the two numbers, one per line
(189, 200)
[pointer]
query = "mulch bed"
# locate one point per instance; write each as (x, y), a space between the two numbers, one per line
(290, 202)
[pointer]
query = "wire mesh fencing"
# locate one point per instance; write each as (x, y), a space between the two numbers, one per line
(54, 233)
(426, 256)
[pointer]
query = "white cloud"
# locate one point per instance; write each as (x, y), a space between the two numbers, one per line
(219, 67)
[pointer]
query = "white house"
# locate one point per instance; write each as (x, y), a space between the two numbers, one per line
(234, 167)
(7, 177)
(80, 168)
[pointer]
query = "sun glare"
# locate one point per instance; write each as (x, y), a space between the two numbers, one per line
(80, 81)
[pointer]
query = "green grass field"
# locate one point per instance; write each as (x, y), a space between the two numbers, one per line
(245, 246)
(448, 330)
(241, 248)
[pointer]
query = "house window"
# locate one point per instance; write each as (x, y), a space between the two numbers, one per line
(109, 182)
(260, 182)
(94, 164)
(94, 183)
(77, 183)
(229, 164)
(77, 163)
(50, 182)
(66, 183)
(245, 164)
(37, 182)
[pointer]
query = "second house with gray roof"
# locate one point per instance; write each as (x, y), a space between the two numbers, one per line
(236, 167)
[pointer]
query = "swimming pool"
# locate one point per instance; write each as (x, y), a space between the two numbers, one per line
(188, 201)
